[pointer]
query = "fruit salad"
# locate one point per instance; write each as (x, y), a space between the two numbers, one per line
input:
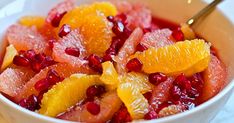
(107, 62)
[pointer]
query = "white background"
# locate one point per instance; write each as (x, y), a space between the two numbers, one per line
(226, 115)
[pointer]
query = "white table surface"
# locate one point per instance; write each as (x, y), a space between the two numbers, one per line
(226, 115)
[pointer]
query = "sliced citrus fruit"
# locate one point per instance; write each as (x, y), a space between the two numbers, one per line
(215, 77)
(26, 38)
(140, 79)
(11, 52)
(135, 102)
(66, 93)
(109, 104)
(64, 70)
(109, 75)
(158, 38)
(97, 30)
(188, 57)
(13, 79)
(30, 21)
(171, 110)
(128, 49)
(73, 40)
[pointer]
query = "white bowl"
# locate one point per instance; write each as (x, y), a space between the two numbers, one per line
(216, 28)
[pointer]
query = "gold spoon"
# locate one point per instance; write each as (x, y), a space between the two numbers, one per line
(204, 12)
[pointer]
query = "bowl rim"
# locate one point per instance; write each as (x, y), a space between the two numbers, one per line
(228, 88)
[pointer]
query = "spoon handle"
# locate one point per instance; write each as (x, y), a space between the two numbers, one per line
(205, 11)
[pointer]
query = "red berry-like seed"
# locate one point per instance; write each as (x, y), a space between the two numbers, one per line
(23, 103)
(40, 57)
(118, 28)
(175, 92)
(35, 66)
(121, 17)
(145, 30)
(95, 90)
(156, 78)
(93, 108)
(110, 52)
(29, 54)
(42, 85)
(121, 116)
(110, 18)
(178, 35)
(151, 115)
(51, 43)
(20, 60)
(57, 18)
(148, 95)
(95, 63)
(32, 103)
(134, 65)
(140, 47)
(53, 77)
(180, 79)
(72, 51)
(64, 30)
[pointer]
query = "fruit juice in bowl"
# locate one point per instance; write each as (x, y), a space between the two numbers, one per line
(114, 61)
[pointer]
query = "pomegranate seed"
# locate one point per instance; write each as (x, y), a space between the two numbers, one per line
(134, 65)
(140, 47)
(118, 28)
(151, 115)
(21, 52)
(72, 51)
(121, 116)
(53, 77)
(21, 61)
(51, 43)
(127, 32)
(40, 57)
(116, 43)
(57, 18)
(122, 17)
(23, 103)
(64, 30)
(180, 79)
(110, 52)
(145, 30)
(175, 92)
(148, 95)
(29, 54)
(48, 61)
(42, 85)
(110, 18)
(156, 78)
(36, 67)
(95, 90)
(32, 102)
(40, 96)
(93, 108)
(178, 35)
(95, 63)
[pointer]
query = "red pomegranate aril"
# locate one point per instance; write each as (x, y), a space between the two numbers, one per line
(20, 60)
(178, 35)
(36, 66)
(40, 57)
(110, 18)
(53, 77)
(151, 115)
(156, 78)
(21, 52)
(51, 43)
(95, 63)
(42, 85)
(23, 103)
(175, 93)
(32, 103)
(72, 51)
(57, 18)
(141, 47)
(95, 90)
(48, 61)
(134, 65)
(118, 28)
(121, 116)
(110, 52)
(180, 79)
(93, 108)
(40, 96)
(29, 54)
(64, 30)
(127, 32)
(145, 30)
(121, 17)
(148, 95)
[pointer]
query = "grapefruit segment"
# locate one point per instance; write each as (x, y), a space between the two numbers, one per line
(12, 80)
(109, 104)
(26, 38)
(128, 49)
(73, 40)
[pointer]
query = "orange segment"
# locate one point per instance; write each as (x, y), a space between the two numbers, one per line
(91, 19)
(11, 52)
(135, 102)
(37, 21)
(109, 75)
(188, 32)
(187, 57)
(66, 93)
